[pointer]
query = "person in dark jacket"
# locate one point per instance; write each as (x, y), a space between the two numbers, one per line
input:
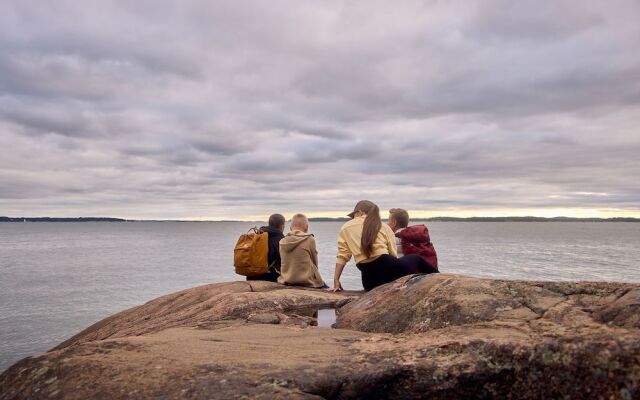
(412, 239)
(274, 229)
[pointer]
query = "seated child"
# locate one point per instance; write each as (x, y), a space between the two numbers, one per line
(274, 229)
(299, 257)
(412, 239)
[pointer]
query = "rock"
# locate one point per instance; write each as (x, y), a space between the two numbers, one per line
(264, 318)
(437, 336)
(204, 304)
(422, 303)
(624, 311)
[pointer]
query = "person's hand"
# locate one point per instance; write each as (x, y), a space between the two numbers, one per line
(336, 288)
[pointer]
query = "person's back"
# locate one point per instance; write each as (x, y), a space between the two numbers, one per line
(274, 229)
(413, 239)
(299, 256)
(350, 237)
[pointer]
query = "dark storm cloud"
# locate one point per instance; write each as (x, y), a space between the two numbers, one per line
(229, 109)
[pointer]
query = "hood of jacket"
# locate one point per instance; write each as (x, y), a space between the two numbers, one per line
(293, 240)
(272, 231)
(415, 234)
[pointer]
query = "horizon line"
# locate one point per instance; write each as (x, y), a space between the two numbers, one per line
(311, 218)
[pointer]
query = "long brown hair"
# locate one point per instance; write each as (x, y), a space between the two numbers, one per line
(370, 229)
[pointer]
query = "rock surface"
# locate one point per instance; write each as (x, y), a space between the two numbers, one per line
(436, 336)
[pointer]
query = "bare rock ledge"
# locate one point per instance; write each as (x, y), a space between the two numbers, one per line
(435, 336)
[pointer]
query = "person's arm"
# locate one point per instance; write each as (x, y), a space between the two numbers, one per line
(391, 242)
(336, 278)
(274, 253)
(343, 257)
(314, 252)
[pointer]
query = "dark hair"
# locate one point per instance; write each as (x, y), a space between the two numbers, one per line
(370, 229)
(401, 216)
(276, 221)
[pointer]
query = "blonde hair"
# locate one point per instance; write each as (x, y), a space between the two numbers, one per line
(300, 221)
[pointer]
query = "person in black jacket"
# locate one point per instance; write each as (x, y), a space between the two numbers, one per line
(274, 229)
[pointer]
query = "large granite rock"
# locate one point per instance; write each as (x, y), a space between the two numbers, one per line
(436, 336)
(421, 304)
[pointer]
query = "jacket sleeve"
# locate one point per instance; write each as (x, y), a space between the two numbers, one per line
(391, 241)
(274, 252)
(344, 253)
(314, 251)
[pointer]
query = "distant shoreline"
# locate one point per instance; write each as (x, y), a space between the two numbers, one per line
(323, 219)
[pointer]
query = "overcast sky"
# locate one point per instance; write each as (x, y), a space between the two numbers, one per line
(214, 110)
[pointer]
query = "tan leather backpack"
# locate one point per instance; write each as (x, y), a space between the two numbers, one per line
(251, 254)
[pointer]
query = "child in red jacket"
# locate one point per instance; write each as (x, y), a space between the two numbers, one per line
(412, 239)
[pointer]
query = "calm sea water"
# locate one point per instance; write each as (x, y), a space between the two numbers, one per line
(58, 278)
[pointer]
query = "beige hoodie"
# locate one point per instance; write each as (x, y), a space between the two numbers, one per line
(299, 260)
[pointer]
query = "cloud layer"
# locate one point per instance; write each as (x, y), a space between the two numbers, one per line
(237, 109)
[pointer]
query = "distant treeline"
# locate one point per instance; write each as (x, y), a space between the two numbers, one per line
(503, 219)
(325, 219)
(342, 219)
(54, 219)
(528, 219)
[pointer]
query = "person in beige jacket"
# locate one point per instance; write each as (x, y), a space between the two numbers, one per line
(299, 256)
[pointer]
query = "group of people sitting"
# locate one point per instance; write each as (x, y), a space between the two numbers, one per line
(382, 252)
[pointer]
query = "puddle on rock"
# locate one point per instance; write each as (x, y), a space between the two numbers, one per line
(322, 316)
(326, 318)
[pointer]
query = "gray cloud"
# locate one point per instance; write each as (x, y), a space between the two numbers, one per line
(234, 109)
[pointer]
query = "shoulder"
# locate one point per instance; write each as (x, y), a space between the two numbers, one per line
(387, 230)
(348, 225)
(416, 229)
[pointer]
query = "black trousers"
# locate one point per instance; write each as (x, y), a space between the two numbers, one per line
(387, 268)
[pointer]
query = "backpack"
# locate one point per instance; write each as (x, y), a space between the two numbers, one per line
(251, 254)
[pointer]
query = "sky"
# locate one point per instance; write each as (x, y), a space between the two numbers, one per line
(239, 109)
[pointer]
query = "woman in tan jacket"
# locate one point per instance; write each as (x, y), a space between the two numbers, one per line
(299, 256)
(373, 246)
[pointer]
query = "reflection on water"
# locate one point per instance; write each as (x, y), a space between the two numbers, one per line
(323, 315)
(326, 318)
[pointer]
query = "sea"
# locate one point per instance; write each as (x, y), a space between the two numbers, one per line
(58, 278)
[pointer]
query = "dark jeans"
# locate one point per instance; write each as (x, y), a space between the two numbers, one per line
(386, 268)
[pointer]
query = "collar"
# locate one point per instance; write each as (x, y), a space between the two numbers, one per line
(298, 232)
